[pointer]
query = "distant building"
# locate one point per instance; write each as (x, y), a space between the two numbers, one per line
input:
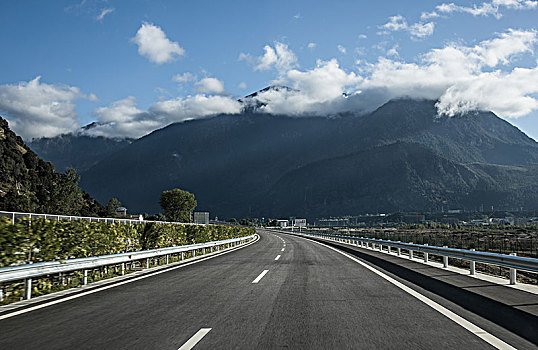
(299, 223)
(201, 217)
(509, 220)
(121, 211)
(283, 223)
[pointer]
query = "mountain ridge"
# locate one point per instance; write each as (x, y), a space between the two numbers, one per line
(234, 162)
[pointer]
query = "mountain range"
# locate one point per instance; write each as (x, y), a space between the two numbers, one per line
(76, 150)
(402, 156)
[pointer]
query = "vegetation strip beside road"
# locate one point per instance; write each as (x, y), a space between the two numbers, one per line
(41, 240)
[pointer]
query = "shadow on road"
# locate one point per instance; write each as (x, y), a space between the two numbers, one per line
(517, 321)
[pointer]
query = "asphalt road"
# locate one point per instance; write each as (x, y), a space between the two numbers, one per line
(312, 297)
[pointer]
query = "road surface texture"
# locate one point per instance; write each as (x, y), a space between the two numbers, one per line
(283, 292)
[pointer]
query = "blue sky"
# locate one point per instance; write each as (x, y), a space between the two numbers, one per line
(136, 66)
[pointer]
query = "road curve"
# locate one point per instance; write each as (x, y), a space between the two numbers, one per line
(310, 297)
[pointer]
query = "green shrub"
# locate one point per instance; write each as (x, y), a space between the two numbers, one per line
(46, 240)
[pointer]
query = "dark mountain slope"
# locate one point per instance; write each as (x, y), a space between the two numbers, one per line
(231, 162)
(399, 176)
(472, 137)
(76, 151)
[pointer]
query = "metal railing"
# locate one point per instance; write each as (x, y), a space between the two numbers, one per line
(511, 261)
(30, 271)
(13, 216)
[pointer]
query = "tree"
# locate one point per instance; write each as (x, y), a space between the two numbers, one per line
(65, 197)
(112, 206)
(178, 205)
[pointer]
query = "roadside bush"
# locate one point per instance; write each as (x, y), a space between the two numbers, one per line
(46, 240)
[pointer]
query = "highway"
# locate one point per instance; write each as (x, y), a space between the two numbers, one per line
(280, 292)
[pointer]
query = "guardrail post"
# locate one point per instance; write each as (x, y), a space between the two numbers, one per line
(182, 256)
(513, 273)
(123, 269)
(411, 253)
(1, 293)
(472, 266)
(166, 259)
(381, 247)
(28, 288)
(445, 258)
(425, 256)
(147, 263)
(84, 277)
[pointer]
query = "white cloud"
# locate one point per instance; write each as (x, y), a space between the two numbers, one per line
(486, 9)
(461, 77)
(362, 36)
(422, 30)
(36, 109)
(242, 85)
(393, 51)
(195, 106)
(417, 30)
(267, 60)
(184, 78)
(210, 86)
(396, 23)
(280, 57)
(492, 8)
(506, 94)
(103, 13)
(312, 45)
(316, 91)
(341, 49)
(155, 46)
(124, 119)
(428, 15)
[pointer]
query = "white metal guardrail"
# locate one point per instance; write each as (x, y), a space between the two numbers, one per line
(511, 261)
(13, 216)
(29, 271)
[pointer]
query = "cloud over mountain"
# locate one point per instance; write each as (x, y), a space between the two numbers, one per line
(124, 119)
(37, 109)
(498, 74)
(461, 77)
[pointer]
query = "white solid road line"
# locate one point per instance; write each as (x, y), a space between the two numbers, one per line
(277, 257)
(195, 339)
(57, 301)
(471, 327)
(260, 276)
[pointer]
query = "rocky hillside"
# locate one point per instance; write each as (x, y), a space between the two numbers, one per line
(29, 184)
